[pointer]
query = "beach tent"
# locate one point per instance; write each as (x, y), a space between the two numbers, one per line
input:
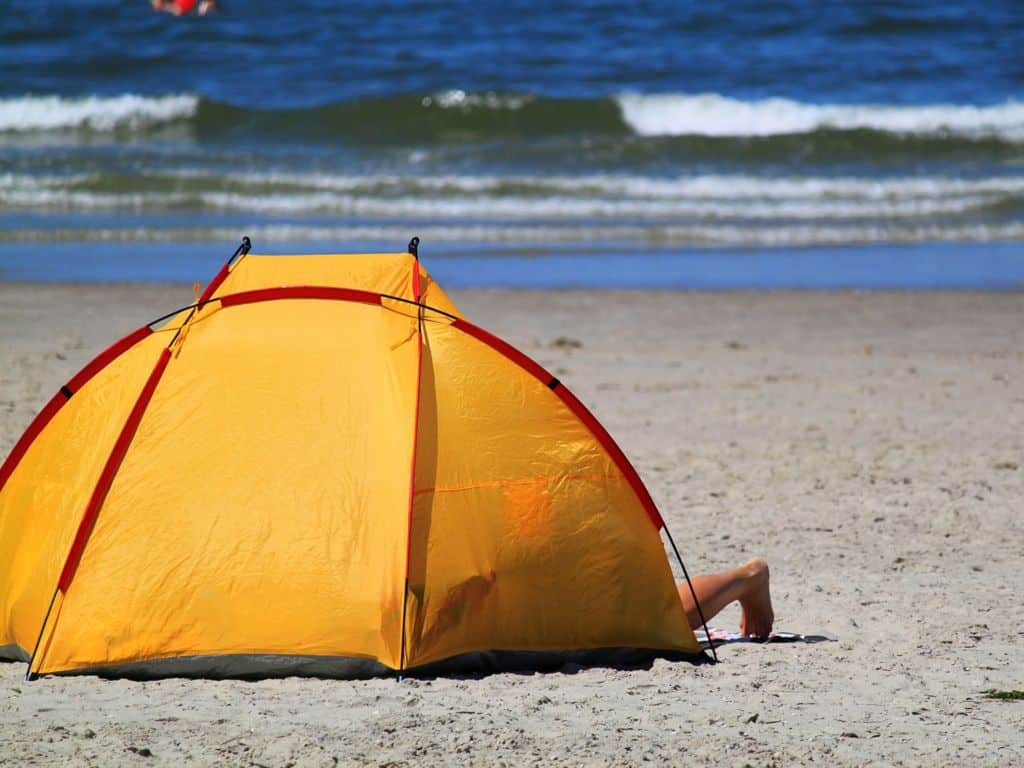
(321, 460)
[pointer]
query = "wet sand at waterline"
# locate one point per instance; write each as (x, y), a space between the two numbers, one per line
(870, 446)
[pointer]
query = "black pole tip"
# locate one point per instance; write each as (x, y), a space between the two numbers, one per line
(241, 250)
(414, 246)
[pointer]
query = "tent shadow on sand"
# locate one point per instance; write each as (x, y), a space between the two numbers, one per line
(481, 665)
(469, 666)
(477, 665)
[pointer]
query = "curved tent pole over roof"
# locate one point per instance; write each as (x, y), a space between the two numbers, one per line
(220, 277)
(311, 293)
(103, 359)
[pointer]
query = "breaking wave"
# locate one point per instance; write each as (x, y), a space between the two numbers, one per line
(713, 115)
(93, 113)
(461, 116)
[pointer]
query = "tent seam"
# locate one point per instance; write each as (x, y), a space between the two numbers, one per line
(412, 462)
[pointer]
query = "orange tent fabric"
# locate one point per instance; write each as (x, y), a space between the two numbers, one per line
(323, 460)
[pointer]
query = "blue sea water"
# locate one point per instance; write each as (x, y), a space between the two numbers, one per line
(665, 135)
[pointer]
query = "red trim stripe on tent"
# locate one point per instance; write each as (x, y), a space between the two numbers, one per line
(77, 381)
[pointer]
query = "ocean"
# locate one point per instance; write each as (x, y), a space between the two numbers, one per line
(754, 145)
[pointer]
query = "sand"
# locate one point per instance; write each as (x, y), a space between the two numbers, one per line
(870, 446)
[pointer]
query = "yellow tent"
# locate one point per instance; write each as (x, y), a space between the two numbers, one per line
(322, 460)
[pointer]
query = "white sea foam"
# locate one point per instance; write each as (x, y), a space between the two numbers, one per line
(698, 187)
(98, 113)
(562, 208)
(460, 99)
(504, 209)
(522, 198)
(760, 236)
(711, 114)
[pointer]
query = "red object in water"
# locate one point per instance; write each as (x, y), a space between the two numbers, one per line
(185, 6)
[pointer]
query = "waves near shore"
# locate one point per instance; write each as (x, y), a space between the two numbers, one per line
(673, 168)
(480, 116)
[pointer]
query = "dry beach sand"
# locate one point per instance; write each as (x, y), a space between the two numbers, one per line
(871, 446)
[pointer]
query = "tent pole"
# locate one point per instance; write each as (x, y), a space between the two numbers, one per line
(413, 249)
(99, 493)
(29, 676)
(241, 250)
(693, 593)
(244, 247)
(401, 653)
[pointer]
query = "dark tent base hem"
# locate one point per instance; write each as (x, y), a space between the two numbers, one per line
(13, 653)
(478, 664)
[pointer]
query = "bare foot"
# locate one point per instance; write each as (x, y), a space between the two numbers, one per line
(756, 602)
